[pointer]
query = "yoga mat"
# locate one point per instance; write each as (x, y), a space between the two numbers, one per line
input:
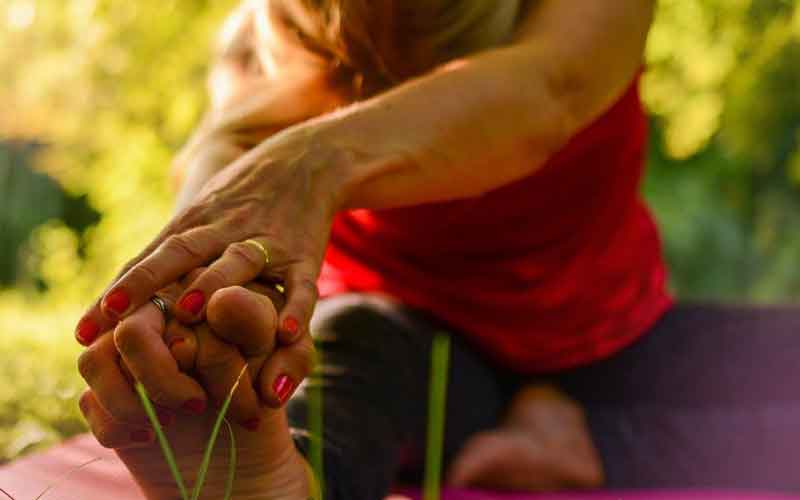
(27, 477)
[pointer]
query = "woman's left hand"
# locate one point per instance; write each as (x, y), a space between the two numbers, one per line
(268, 214)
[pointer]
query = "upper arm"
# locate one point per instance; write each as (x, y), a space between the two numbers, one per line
(591, 48)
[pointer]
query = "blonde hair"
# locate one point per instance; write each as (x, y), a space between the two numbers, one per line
(391, 40)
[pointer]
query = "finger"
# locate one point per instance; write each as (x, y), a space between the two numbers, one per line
(108, 431)
(301, 296)
(182, 341)
(93, 322)
(218, 365)
(139, 340)
(182, 344)
(245, 319)
(241, 263)
(285, 370)
(176, 256)
(99, 365)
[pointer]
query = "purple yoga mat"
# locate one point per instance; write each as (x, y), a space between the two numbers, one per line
(27, 477)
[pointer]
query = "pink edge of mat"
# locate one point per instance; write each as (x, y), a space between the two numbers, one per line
(28, 477)
(608, 495)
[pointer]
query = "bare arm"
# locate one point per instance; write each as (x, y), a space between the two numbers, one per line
(479, 123)
(248, 102)
(460, 131)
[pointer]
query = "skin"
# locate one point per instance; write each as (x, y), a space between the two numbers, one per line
(240, 329)
(486, 120)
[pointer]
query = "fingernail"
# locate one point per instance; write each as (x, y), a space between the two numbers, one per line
(87, 331)
(141, 436)
(117, 302)
(192, 302)
(252, 424)
(290, 325)
(164, 417)
(283, 388)
(196, 406)
(176, 342)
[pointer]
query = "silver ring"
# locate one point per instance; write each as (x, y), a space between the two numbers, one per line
(161, 304)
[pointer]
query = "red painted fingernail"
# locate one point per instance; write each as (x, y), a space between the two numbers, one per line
(283, 388)
(117, 301)
(87, 331)
(176, 342)
(290, 325)
(193, 302)
(196, 406)
(252, 424)
(164, 417)
(141, 436)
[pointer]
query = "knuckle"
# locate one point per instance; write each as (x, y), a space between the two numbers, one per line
(104, 436)
(185, 246)
(144, 273)
(88, 366)
(245, 252)
(84, 402)
(216, 276)
(158, 394)
(126, 339)
(218, 361)
(306, 358)
(308, 286)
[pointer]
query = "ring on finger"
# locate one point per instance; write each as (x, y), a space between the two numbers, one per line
(161, 304)
(261, 248)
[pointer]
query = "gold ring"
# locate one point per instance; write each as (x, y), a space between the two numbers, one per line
(260, 247)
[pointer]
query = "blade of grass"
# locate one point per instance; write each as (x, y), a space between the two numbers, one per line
(201, 473)
(231, 463)
(166, 449)
(67, 475)
(440, 361)
(315, 427)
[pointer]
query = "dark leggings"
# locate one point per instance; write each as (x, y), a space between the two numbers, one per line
(709, 397)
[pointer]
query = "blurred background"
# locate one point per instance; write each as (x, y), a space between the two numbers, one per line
(96, 96)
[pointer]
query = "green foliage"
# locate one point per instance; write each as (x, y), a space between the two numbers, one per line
(114, 87)
(725, 158)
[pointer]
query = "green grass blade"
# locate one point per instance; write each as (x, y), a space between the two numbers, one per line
(201, 473)
(67, 475)
(231, 463)
(315, 428)
(166, 449)
(440, 361)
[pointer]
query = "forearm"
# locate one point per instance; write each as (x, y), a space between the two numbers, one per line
(480, 123)
(456, 133)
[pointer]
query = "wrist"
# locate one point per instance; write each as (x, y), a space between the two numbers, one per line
(353, 157)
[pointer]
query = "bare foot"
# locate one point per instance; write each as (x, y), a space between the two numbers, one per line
(269, 467)
(544, 444)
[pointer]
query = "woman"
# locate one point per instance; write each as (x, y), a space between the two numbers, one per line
(493, 151)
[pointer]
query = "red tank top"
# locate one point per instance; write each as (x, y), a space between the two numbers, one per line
(556, 270)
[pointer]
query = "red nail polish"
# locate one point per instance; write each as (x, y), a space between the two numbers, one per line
(117, 302)
(196, 406)
(141, 436)
(87, 331)
(193, 302)
(176, 342)
(290, 325)
(283, 388)
(252, 424)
